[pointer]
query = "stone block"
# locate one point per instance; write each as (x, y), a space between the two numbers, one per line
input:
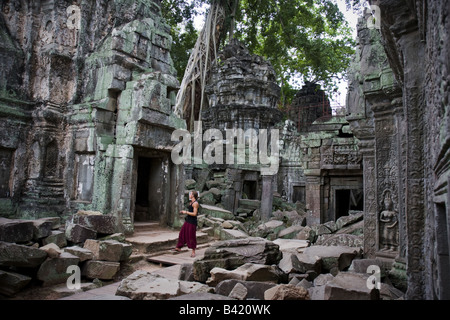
(286, 292)
(305, 262)
(78, 234)
(54, 270)
(11, 283)
(350, 286)
(53, 251)
(15, 230)
(100, 223)
(230, 254)
(350, 219)
(56, 221)
(246, 272)
(217, 212)
(249, 204)
(239, 292)
(56, 237)
(16, 255)
(142, 285)
(228, 234)
(41, 228)
(255, 289)
(82, 253)
(103, 270)
(334, 258)
(290, 232)
(108, 250)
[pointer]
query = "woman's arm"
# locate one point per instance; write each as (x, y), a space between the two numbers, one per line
(195, 205)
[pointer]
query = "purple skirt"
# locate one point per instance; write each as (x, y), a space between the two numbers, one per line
(187, 236)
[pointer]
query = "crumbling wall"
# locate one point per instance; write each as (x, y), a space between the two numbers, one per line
(91, 87)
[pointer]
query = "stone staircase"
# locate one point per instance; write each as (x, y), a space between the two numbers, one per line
(151, 239)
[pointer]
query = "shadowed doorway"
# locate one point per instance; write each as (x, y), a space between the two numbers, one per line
(148, 191)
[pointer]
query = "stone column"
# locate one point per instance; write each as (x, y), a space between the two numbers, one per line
(267, 196)
(120, 188)
(313, 197)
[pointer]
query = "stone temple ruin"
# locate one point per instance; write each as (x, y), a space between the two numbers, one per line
(87, 96)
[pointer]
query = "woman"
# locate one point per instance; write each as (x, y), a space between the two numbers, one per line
(188, 230)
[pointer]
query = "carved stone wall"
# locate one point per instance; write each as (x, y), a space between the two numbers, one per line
(89, 90)
(398, 108)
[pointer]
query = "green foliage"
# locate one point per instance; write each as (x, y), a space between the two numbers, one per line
(180, 15)
(304, 40)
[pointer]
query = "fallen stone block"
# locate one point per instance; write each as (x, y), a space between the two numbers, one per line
(322, 279)
(56, 222)
(350, 219)
(53, 251)
(142, 285)
(344, 239)
(103, 270)
(362, 266)
(246, 272)
(228, 234)
(255, 289)
(231, 254)
(317, 293)
(78, 234)
(350, 286)
(108, 250)
(213, 211)
(272, 226)
(82, 253)
(239, 292)
(249, 204)
(16, 255)
(334, 258)
(15, 230)
(306, 233)
(100, 223)
(11, 283)
(54, 270)
(41, 228)
(286, 292)
(56, 237)
(288, 244)
(290, 232)
(303, 263)
(115, 236)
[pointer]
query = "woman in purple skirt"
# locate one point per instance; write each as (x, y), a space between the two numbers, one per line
(188, 230)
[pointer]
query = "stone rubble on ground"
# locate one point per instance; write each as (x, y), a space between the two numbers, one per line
(40, 251)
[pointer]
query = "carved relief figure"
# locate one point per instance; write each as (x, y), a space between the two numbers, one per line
(388, 224)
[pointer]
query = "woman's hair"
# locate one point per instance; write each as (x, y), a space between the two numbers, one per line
(195, 194)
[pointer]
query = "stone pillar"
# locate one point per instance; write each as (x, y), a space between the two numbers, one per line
(120, 188)
(313, 197)
(267, 196)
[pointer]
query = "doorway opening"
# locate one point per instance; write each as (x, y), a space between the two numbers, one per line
(148, 190)
(298, 194)
(249, 188)
(346, 200)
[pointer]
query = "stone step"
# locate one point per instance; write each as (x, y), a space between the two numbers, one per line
(148, 242)
(145, 226)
